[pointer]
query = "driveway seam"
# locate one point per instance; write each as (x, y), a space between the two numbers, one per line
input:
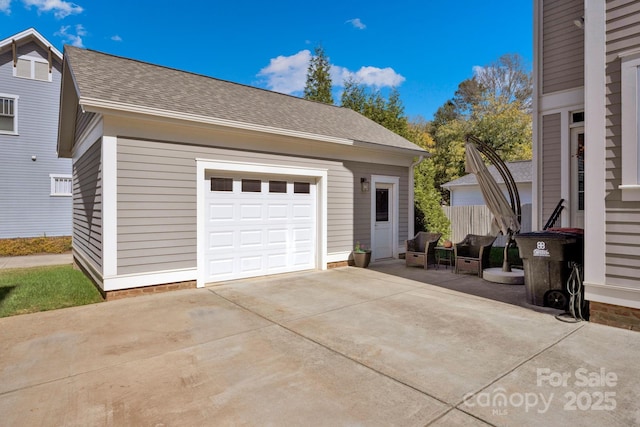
(332, 350)
(533, 356)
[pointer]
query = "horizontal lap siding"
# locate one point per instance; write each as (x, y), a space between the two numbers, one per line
(622, 218)
(157, 201)
(27, 208)
(550, 164)
(563, 46)
(87, 205)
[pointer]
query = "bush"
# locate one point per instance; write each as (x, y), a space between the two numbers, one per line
(35, 245)
(497, 256)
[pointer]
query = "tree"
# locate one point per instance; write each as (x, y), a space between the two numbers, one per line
(318, 86)
(495, 106)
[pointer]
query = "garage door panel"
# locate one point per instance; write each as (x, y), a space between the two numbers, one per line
(257, 233)
(250, 238)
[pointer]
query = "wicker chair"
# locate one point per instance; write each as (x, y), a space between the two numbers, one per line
(421, 249)
(472, 253)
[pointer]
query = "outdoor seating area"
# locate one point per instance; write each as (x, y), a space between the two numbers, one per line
(420, 251)
(472, 253)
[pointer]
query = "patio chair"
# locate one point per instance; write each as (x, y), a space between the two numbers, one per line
(472, 253)
(421, 249)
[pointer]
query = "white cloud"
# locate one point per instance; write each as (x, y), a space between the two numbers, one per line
(357, 23)
(378, 77)
(116, 38)
(287, 74)
(73, 39)
(60, 8)
(5, 6)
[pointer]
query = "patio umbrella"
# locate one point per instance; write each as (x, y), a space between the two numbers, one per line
(503, 215)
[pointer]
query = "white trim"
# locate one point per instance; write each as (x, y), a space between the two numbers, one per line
(96, 105)
(608, 294)
(90, 136)
(32, 68)
(338, 256)
(203, 165)
(15, 114)
(570, 99)
(128, 281)
(565, 167)
(109, 206)
(53, 178)
(595, 143)
(630, 105)
(394, 181)
(31, 32)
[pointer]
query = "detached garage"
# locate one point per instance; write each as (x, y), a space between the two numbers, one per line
(185, 180)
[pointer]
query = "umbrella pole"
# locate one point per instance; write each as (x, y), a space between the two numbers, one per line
(506, 267)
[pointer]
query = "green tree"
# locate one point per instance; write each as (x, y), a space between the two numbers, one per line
(318, 86)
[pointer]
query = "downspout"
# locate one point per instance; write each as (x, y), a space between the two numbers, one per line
(412, 214)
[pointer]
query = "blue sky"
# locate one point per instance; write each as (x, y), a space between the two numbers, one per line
(425, 47)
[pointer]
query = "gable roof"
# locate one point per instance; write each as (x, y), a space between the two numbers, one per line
(25, 37)
(521, 172)
(104, 81)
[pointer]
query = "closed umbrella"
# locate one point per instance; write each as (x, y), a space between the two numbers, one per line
(504, 217)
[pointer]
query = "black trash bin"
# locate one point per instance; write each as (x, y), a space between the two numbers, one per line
(546, 256)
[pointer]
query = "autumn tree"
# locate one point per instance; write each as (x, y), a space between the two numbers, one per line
(318, 86)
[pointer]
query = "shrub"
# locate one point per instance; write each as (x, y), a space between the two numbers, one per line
(35, 245)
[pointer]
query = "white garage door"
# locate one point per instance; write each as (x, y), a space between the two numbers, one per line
(258, 225)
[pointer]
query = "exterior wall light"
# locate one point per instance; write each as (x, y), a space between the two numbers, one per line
(364, 185)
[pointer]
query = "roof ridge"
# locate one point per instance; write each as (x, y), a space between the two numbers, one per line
(193, 73)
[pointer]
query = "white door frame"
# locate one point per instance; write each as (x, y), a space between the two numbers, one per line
(576, 216)
(394, 181)
(202, 165)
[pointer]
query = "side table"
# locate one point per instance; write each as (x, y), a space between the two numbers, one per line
(444, 254)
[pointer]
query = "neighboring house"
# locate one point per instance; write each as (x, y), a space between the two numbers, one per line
(35, 185)
(185, 179)
(467, 210)
(586, 142)
(465, 190)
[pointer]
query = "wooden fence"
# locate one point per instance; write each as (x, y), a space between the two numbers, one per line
(476, 219)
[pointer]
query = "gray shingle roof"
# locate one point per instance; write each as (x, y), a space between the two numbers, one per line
(130, 82)
(521, 172)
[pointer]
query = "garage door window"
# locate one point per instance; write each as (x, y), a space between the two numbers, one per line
(251, 185)
(221, 184)
(301, 187)
(277, 186)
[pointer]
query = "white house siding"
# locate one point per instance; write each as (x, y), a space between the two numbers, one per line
(87, 206)
(622, 218)
(563, 45)
(157, 200)
(471, 194)
(26, 207)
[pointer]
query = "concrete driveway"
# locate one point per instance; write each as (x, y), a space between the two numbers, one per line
(342, 347)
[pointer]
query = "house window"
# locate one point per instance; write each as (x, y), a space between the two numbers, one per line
(251, 185)
(61, 185)
(630, 100)
(32, 68)
(301, 188)
(277, 186)
(221, 184)
(8, 114)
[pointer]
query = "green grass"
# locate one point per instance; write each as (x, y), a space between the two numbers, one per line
(497, 255)
(29, 290)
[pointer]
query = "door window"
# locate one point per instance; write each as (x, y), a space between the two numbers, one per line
(382, 205)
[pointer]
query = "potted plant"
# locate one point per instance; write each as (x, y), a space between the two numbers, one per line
(361, 256)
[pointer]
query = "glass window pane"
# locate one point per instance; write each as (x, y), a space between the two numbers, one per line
(382, 204)
(301, 187)
(251, 185)
(277, 186)
(221, 184)
(6, 123)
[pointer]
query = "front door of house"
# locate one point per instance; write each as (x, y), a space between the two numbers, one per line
(383, 221)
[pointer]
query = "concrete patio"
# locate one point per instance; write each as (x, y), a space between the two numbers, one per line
(341, 347)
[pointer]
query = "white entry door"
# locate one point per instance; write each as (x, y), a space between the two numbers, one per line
(258, 225)
(383, 221)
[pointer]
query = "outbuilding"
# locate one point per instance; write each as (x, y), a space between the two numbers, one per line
(181, 179)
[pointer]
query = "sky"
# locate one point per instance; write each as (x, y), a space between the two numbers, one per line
(424, 48)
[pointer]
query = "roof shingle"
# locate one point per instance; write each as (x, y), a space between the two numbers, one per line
(114, 79)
